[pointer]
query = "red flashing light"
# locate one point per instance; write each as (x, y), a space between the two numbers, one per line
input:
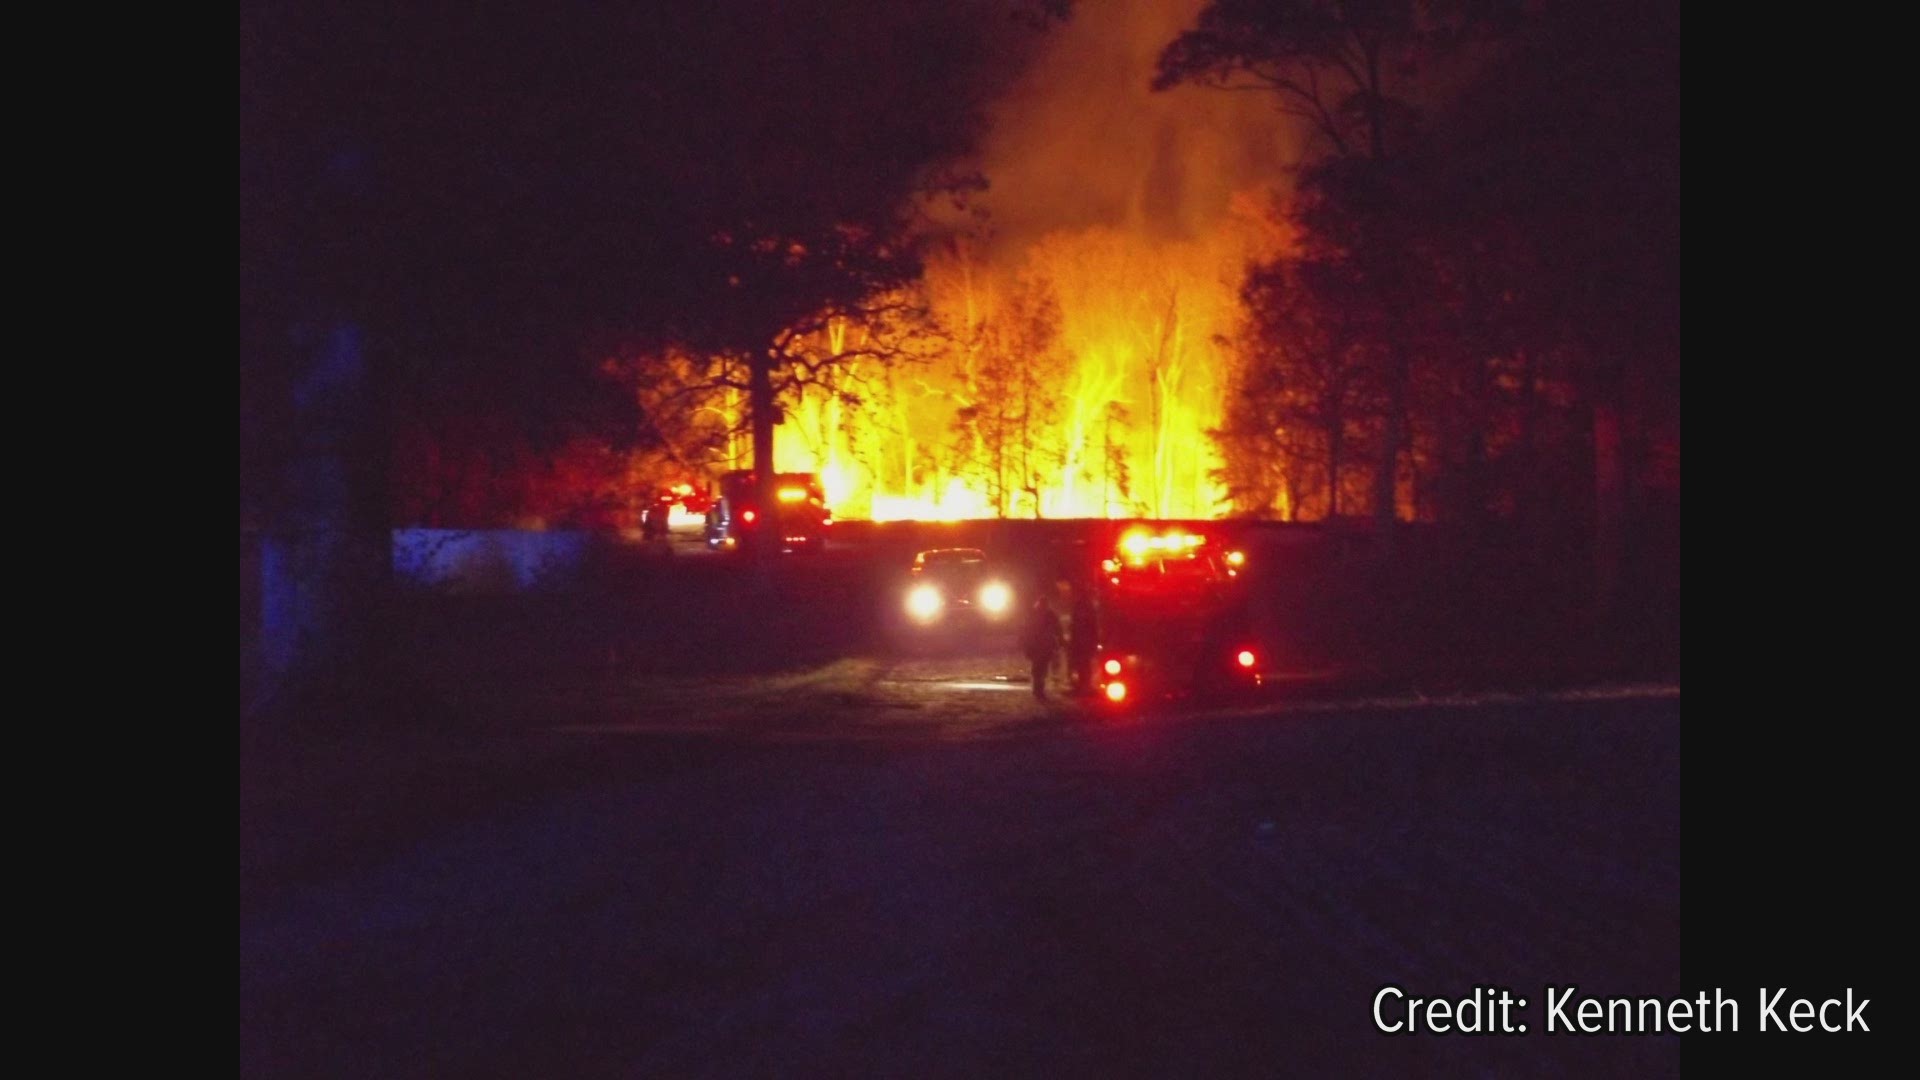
(1111, 667)
(1116, 691)
(747, 516)
(1245, 658)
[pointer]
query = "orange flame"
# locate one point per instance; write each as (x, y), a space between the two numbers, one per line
(1122, 218)
(1131, 376)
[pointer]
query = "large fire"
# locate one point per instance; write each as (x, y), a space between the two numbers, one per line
(1094, 401)
(1086, 341)
(1066, 354)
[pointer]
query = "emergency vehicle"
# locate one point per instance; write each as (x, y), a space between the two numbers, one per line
(798, 520)
(1172, 620)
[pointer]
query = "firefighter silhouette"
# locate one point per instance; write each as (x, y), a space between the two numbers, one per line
(1040, 640)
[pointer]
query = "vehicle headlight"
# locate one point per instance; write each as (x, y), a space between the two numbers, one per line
(924, 602)
(995, 597)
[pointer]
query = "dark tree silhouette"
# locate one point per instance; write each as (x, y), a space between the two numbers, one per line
(1306, 388)
(1509, 261)
(1567, 148)
(462, 210)
(1332, 63)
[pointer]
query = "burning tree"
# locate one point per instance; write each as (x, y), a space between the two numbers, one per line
(1116, 478)
(839, 375)
(1008, 416)
(1143, 325)
(1304, 396)
(1328, 63)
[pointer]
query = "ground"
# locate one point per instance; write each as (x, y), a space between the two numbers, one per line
(995, 885)
(697, 823)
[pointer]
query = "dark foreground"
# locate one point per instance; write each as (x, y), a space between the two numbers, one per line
(1213, 895)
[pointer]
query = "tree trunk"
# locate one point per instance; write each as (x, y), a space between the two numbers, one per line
(1472, 504)
(765, 416)
(1336, 452)
(1392, 438)
(1026, 434)
(764, 413)
(1610, 491)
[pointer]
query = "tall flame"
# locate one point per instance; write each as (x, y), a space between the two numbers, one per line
(1122, 221)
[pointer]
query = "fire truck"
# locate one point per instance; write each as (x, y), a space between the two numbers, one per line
(1173, 619)
(661, 504)
(797, 521)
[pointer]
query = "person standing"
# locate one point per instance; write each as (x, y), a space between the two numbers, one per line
(1040, 640)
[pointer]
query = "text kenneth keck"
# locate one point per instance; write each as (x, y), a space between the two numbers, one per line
(1563, 1010)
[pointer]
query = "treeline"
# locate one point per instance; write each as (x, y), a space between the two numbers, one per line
(1472, 319)
(450, 218)
(1477, 318)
